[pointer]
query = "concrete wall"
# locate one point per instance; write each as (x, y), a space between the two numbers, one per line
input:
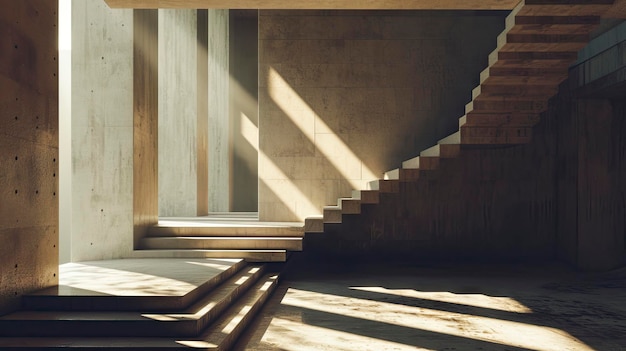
(29, 143)
(244, 109)
(219, 126)
(178, 113)
(560, 196)
(352, 94)
(102, 131)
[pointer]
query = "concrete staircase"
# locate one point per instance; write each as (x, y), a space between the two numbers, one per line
(227, 235)
(540, 41)
(210, 317)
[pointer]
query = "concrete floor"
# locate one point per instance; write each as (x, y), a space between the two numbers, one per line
(463, 307)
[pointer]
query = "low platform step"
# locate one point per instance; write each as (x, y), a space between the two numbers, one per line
(124, 296)
(223, 243)
(220, 336)
(245, 254)
(224, 229)
(188, 322)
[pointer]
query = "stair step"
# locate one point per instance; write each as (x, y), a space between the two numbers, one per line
(234, 320)
(565, 8)
(515, 70)
(332, 214)
(421, 162)
(501, 104)
(525, 37)
(514, 91)
(227, 330)
(314, 224)
(248, 255)
(349, 205)
(69, 298)
(222, 243)
(473, 135)
(384, 186)
(189, 322)
(366, 196)
(511, 119)
(556, 19)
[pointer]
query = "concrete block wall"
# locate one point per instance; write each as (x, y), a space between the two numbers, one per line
(102, 131)
(178, 113)
(29, 143)
(347, 95)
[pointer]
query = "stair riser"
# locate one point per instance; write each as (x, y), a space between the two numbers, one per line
(332, 216)
(495, 136)
(516, 91)
(532, 106)
(503, 120)
(557, 19)
(546, 38)
(225, 231)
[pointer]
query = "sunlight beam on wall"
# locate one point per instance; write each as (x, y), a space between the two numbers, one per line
(332, 148)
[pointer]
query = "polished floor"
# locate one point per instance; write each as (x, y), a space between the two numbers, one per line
(468, 307)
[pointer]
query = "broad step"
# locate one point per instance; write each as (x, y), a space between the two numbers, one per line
(314, 224)
(249, 255)
(366, 196)
(124, 296)
(222, 243)
(188, 322)
(225, 332)
(220, 336)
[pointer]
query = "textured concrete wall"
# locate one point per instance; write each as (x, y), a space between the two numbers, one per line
(244, 109)
(561, 196)
(219, 124)
(102, 131)
(178, 113)
(29, 143)
(353, 94)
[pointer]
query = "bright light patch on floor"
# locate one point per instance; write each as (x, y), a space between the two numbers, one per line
(120, 282)
(476, 300)
(492, 330)
(284, 334)
(285, 97)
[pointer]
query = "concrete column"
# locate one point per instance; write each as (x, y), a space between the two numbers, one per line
(219, 130)
(145, 79)
(102, 131)
(29, 143)
(178, 113)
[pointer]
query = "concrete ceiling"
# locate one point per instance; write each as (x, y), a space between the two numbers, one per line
(320, 4)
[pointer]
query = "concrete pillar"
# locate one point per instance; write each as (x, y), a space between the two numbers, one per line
(102, 131)
(244, 109)
(29, 143)
(145, 210)
(178, 113)
(219, 130)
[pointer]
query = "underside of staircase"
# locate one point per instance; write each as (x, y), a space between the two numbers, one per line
(540, 41)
